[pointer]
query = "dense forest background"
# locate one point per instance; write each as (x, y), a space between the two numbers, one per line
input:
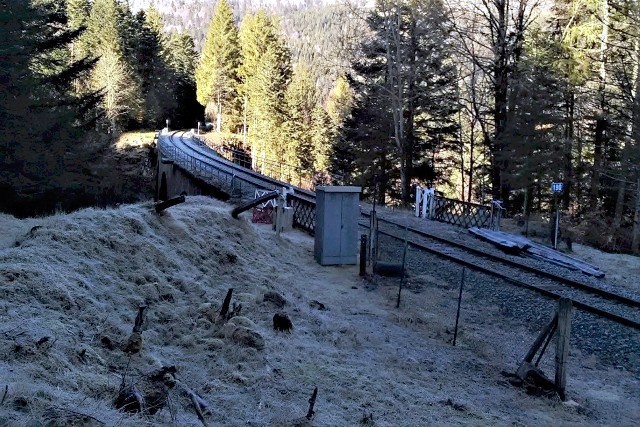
(482, 99)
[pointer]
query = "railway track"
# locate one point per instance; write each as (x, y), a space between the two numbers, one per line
(238, 182)
(190, 147)
(612, 306)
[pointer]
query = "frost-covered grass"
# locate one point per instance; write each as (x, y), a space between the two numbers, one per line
(70, 290)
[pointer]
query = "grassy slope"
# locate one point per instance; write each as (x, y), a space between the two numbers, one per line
(80, 277)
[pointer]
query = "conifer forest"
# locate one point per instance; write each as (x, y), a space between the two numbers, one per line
(481, 99)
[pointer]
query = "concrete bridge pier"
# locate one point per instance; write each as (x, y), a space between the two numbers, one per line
(172, 181)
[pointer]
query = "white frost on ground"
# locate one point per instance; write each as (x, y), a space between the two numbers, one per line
(80, 277)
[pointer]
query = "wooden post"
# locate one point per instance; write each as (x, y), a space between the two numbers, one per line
(551, 326)
(556, 221)
(279, 214)
(635, 242)
(312, 403)
(432, 203)
(546, 342)
(377, 246)
(455, 332)
(404, 263)
(225, 305)
(373, 237)
(363, 254)
(562, 345)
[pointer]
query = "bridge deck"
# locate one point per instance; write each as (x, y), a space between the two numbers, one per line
(204, 163)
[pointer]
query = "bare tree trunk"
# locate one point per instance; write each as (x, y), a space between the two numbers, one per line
(219, 114)
(396, 90)
(244, 131)
(601, 122)
(409, 131)
(634, 132)
(617, 217)
(461, 144)
(635, 243)
(598, 161)
(475, 118)
(471, 163)
(568, 148)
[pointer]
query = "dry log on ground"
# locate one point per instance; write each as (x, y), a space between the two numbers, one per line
(387, 269)
(200, 406)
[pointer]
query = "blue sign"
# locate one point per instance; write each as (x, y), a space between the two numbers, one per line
(556, 187)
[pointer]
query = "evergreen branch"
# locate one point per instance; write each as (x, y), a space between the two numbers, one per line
(66, 76)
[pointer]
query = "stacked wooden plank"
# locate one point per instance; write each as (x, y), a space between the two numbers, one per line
(518, 244)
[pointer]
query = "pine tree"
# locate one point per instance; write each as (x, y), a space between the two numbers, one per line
(323, 134)
(113, 73)
(39, 118)
(362, 154)
(217, 72)
(181, 60)
(77, 13)
(534, 137)
(301, 100)
(340, 101)
(405, 81)
(265, 74)
(150, 50)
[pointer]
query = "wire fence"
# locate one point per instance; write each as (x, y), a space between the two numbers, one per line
(430, 296)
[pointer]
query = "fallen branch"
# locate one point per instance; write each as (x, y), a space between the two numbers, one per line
(198, 409)
(160, 206)
(4, 395)
(199, 405)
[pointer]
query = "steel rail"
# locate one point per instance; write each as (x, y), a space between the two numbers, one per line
(570, 282)
(585, 307)
(207, 160)
(210, 154)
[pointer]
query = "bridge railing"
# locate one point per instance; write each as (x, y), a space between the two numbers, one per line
(457, 212)
(461, 213)
(304, 212)
(241, 187)
(271, 167)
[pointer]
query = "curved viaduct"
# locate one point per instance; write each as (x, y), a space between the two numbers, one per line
(186, 166)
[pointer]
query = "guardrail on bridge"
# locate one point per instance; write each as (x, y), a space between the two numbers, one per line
(457, 212)
(238, 181)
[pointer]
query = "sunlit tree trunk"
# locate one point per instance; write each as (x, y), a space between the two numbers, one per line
(635, 244)
(601, 121)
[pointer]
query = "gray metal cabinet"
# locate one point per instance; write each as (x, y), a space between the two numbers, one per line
(336, 229)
